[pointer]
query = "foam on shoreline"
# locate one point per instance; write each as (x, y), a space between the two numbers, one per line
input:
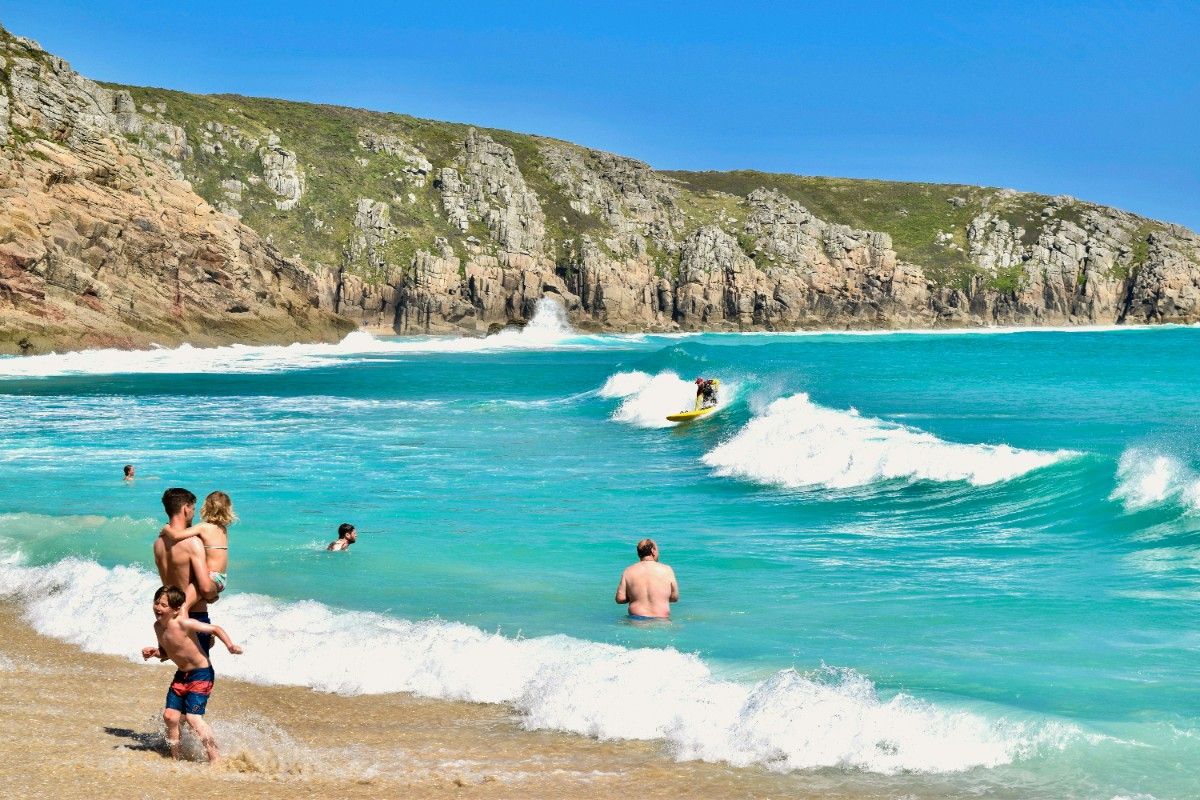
(791, 720)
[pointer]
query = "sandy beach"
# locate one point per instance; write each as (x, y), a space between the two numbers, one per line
(79, 725)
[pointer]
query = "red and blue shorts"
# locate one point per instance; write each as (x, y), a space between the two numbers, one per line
(189, 690)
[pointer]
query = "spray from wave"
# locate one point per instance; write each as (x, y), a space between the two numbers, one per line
(547, 330)
(796, 443)
(790, 721)
(648, 399)
(1147, 478)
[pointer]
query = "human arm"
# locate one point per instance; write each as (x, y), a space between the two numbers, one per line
(153, 652)
(674, 588)
(196, 626)
(175, 537)
(204, 585)
(622, 591)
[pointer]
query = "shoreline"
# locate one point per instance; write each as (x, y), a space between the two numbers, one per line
(583, 328)
(82, 725)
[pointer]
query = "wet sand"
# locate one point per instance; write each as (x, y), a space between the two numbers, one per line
(79, 725)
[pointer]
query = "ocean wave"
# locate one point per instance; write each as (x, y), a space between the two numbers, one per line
(1148, 478)
(790, 721)
(796, 443)
(648, 399)
(547, 330)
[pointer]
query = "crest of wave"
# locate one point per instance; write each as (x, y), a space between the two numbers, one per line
(797, 443)
(791, 720)
(1147, 478)
(648, 399)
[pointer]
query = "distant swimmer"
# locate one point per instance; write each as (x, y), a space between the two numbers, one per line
(706, 392)
(648, 586)
(129, 472)
(347, 536)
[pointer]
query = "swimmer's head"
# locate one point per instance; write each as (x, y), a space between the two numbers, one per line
(168, 600)
(647, 548)
(129, 470)
(218, 509)
(346, 531)
(176, 499)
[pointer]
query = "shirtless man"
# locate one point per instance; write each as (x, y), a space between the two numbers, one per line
(347, 535)
(183, 563)
(648, 586)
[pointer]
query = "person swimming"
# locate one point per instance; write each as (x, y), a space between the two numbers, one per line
(347, 535)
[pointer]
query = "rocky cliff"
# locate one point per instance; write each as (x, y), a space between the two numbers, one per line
(134, 214)
(105, 244)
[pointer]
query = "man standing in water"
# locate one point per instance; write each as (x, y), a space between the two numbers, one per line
(648, 586)
(183, 563)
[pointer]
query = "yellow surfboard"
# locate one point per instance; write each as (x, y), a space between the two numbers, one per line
(688, 416)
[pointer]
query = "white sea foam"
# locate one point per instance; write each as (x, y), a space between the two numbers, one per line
(789, 721)
(1147, 478)
(547, 330)
(648, 399)
(797, 443)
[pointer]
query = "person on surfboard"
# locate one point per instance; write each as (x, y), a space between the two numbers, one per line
(706, 392)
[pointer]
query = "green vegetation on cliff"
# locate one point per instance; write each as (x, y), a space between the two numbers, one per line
(227, 135)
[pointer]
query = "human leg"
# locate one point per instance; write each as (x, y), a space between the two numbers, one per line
(171, 720)
(205, 734)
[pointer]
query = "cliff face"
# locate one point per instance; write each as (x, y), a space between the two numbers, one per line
(103, 244)
(134, 215)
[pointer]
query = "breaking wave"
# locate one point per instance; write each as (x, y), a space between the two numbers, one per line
(1147, 478)
(791, 720)
(796, 443)
(648, 399)
(547, 330)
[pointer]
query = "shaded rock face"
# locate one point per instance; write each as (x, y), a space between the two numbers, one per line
(100, 242)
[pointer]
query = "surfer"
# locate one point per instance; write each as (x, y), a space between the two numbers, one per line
(347, 536)
(648, 586)
(706, 392)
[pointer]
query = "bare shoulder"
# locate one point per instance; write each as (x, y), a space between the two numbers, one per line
(210, 532)
(190, 545)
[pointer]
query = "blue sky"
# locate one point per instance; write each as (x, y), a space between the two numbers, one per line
(1099, 100)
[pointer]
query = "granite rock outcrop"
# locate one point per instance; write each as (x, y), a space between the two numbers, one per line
(102, 244)
(135, 215)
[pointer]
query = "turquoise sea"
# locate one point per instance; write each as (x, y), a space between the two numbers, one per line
(965, 563)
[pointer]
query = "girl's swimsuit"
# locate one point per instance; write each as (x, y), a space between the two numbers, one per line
(219, 579)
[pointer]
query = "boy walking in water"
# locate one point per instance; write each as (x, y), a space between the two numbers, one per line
(193, 682)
